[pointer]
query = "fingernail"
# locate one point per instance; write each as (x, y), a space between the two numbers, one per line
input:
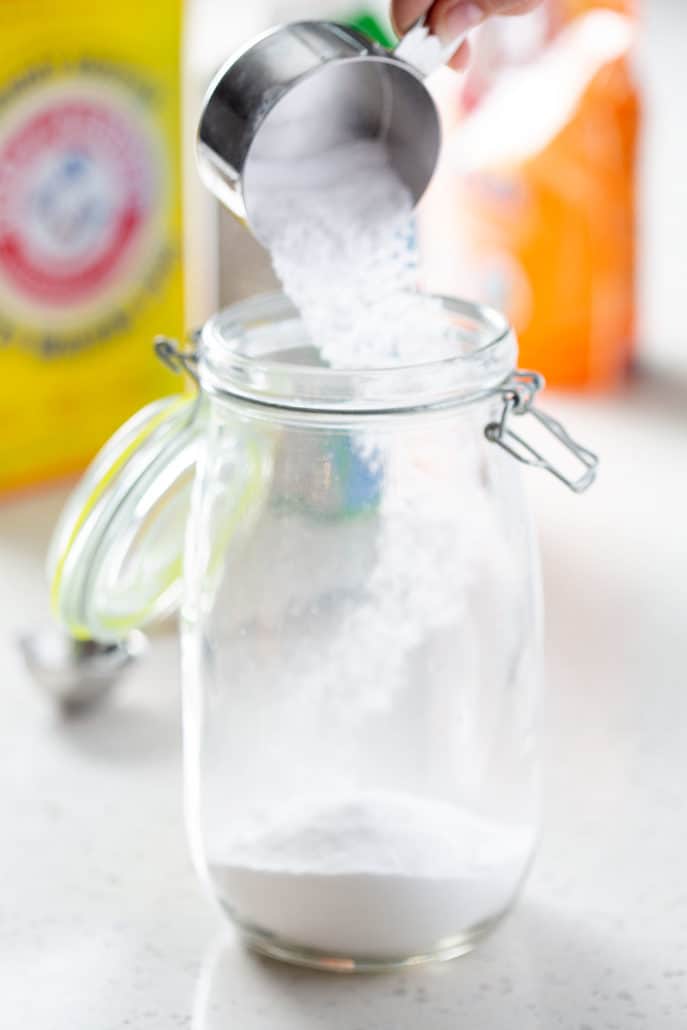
(458, 20)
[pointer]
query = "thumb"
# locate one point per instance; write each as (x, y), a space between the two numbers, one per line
(451, 18)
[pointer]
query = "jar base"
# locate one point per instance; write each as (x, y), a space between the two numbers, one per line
(273, 947)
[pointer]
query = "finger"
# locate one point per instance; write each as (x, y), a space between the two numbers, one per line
(461, 15)
(451, 20)
(405, 13)
(461, 58)
(506, 6)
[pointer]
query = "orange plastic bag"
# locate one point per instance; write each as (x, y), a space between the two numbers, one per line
(533, 209)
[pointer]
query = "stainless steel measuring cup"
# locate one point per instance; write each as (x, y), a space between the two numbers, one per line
(286, 105)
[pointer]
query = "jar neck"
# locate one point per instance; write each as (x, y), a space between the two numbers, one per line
(258, 352)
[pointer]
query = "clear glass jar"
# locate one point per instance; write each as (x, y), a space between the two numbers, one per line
(360, 645)
(360, 622)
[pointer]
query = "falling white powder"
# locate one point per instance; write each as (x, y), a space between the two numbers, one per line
(345, 254)
(344, 250)
(373, 875)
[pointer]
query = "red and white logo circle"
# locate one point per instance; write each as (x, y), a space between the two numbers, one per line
(76, 181)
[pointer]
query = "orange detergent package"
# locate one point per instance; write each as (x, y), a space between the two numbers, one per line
(533, 208)
(90, 224)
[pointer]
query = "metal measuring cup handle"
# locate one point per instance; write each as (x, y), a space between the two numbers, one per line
(423, 50)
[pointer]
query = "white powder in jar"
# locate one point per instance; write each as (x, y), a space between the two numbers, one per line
(374, 875)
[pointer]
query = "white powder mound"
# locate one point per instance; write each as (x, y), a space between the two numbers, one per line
(373, 875)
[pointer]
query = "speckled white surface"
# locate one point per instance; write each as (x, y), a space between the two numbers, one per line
(102, 926)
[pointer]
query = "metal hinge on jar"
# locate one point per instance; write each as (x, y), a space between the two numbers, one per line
(177, 360)
(519, 393)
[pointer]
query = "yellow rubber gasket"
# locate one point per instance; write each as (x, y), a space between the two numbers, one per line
(176, 404)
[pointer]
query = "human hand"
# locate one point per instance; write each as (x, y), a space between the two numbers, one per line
(449, 19)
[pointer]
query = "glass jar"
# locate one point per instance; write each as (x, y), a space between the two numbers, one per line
(360, 629)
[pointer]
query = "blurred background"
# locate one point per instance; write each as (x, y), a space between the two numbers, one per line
(558, 200)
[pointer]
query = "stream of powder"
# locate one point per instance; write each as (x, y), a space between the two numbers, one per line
(345, 254)
(344, 250)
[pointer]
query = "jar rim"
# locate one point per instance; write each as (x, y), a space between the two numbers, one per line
(256, 350)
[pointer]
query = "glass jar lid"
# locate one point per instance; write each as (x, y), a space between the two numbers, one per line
(115, 558)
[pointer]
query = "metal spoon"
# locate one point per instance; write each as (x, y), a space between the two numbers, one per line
(78, 674)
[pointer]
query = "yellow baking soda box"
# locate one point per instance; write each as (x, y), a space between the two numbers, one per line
(90, 224)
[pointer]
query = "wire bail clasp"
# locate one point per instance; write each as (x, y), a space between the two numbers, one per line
(176, 358)
(519, 393)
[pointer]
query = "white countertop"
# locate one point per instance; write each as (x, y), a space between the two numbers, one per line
(102, 925)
